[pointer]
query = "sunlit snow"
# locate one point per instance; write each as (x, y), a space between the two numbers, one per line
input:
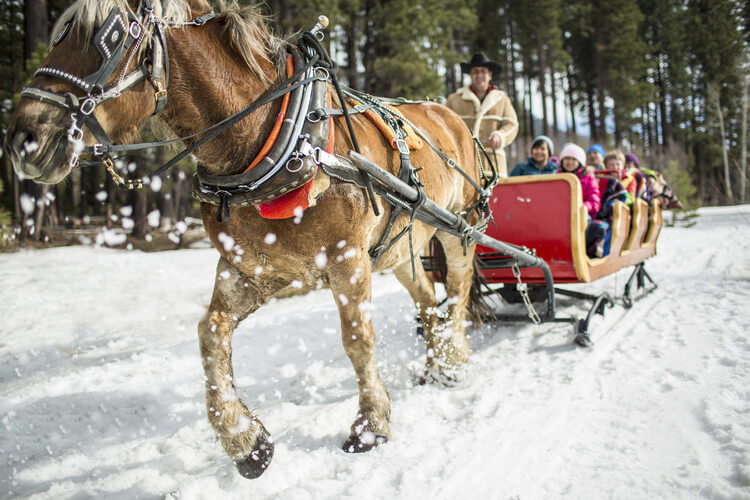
(102, 386)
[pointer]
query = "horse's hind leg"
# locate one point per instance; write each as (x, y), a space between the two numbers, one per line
(242, 435)
(351, 284)
(447, 347)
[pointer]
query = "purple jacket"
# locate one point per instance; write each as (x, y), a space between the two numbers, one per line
(589, 190)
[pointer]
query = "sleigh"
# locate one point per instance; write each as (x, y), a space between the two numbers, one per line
(545, 214)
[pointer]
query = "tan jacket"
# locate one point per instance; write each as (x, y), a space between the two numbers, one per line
(493, 116)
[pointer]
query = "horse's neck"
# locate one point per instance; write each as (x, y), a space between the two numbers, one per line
(207, 84)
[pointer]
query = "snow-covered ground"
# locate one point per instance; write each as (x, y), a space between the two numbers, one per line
(101, 386)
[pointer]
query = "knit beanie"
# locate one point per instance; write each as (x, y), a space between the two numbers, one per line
(630, 157)
(543, 138)
(573, 151)
(598, 148)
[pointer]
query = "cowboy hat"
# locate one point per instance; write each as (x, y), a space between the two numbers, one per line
(480, 59)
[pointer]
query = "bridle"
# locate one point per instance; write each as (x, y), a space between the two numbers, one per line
(109, 43)
(121, 34)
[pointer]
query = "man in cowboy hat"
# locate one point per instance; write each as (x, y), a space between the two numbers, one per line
(486, 110)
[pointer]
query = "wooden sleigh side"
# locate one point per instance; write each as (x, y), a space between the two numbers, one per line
(546, 214)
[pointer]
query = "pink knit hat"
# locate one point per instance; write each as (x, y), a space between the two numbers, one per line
(573, 151)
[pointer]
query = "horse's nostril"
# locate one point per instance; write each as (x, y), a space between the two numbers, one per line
(24, 143)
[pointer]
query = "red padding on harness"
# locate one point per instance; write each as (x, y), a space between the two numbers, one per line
(284, 206)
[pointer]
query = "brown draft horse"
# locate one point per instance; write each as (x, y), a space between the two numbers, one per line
(217, 69)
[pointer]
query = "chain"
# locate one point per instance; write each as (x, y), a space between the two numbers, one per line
(118, 179)
(133, 52)
(523, 290)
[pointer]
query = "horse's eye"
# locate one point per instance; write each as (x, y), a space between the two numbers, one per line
(61, 35)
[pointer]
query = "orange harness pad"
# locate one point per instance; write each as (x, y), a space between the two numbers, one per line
(412, 139)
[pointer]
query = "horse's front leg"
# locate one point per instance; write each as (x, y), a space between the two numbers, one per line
(241, 433)
(351, 284)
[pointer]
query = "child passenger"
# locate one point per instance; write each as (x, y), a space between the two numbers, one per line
(573, 160)
(615, 162)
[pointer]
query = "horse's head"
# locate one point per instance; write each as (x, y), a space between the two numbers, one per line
(661, 191)
(97, 86)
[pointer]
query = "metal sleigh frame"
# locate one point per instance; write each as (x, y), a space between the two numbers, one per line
(599, 303)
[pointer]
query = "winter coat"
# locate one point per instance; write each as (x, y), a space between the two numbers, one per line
(493, 116)
(531, 168)
(589, 190)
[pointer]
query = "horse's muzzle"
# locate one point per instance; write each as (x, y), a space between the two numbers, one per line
(40, 160)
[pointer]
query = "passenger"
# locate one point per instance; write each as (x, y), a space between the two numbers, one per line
(611, 190)
(595, 158)
(485, 109)
(615, 162)
(539, 162)
(633, 167)
(573, 160)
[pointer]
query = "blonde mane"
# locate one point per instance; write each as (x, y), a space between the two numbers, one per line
(247, 27)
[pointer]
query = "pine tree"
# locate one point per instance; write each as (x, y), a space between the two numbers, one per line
(716, 47)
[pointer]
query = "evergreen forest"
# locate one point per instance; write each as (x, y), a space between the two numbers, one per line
(667, 80)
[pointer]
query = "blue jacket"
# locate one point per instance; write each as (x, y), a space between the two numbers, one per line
(530, 168)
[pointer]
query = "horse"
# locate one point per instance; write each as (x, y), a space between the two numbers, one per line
(199, 67)
(661, 191)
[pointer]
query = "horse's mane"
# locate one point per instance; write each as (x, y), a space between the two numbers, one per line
(247, 27)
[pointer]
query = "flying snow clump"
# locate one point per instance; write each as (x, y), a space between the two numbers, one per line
(153, 218)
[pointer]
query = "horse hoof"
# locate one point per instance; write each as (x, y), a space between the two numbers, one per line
(259, 459)
(445, 376)
(363, 442)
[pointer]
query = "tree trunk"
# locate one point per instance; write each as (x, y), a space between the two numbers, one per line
(35, 25)
(553, 94)
(541, 61)
(351, 50)
(571, 102)
(594, 130)
(648, 136)
(35, 33)
(510, 62)
(666, 129)
(367, 57)
(530, 110)
(743, 138)
(715, 97)
(599, 47)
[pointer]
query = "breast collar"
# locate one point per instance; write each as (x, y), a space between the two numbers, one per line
(289, 158)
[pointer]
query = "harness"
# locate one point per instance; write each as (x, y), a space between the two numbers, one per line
(301, 142)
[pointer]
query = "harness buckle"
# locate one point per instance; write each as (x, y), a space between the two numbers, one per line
(98, 149)
(88, 106)
(402, 147)
(135, 29)
(160, 90)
